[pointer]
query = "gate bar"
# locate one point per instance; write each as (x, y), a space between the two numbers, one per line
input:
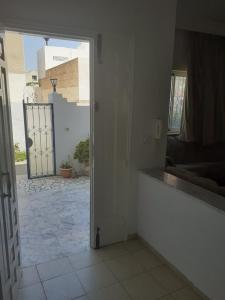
(26, 137)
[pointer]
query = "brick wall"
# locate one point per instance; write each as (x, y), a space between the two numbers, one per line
(67, 84)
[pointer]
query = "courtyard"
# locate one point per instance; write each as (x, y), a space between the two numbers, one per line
(54, 216)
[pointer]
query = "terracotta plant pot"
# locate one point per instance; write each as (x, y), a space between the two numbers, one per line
(66, 173)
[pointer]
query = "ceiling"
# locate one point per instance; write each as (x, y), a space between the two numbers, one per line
(212, 10)
(201, 15)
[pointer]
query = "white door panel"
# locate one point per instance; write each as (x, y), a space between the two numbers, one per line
(9, 230)
(113, 92)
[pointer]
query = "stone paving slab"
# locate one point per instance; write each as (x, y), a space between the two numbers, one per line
(47, 183)
(54, 217)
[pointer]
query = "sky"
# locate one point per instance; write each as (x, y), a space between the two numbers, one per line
(33, 43)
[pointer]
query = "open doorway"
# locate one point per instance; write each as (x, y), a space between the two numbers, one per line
(49, 87)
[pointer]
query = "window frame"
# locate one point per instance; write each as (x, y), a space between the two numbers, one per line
(34, 77)
(175, 73)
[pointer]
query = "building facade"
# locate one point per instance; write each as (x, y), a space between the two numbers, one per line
(14, 49)
(32, 77)
(71, 69)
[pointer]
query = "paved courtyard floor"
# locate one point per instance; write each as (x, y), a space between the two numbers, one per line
(54, 217)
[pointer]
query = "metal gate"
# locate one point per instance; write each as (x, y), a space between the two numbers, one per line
(40, 139)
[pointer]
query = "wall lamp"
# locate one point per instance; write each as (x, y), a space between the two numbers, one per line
(54, 83)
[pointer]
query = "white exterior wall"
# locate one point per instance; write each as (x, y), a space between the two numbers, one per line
(17, 83)
(46, 61)
(72, 124)
(84, 79)
(41, 62)
(29, 75)
(187, 231)
(18, 124)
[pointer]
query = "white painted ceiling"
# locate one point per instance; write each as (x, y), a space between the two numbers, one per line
(213, 10)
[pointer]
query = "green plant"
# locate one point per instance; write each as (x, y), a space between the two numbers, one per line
(82, 152)
(65, 165)
(17, 147)
(19, 155)
(32, 83)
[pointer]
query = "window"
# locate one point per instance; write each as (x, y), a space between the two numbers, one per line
(34, 77)
(60, 58)
(178, 84)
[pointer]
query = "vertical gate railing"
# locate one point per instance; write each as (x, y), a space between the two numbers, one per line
(40, 139)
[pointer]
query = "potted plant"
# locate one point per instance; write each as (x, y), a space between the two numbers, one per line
(66, 169)
(82, 154)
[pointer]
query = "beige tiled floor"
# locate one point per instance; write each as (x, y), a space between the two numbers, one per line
(126, 271)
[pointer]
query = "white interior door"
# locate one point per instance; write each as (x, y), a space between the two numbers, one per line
(9, 228)
(113, 101)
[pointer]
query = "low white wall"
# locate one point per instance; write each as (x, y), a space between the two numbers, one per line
(17, 83)
(21, 168)
(18, 124)
(72, 124)
(188, 232)
(84, 78)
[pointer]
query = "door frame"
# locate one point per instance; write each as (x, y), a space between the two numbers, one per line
(12, 258)
(68, 34)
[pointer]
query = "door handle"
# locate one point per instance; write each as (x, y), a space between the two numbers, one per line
(8, 194)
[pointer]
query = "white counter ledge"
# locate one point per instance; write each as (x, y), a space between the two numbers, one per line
(186, 225)
(194, 190)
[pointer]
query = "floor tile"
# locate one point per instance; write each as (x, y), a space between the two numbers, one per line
(113, 251)
(33, 292)
(65, 287)
(144, 287)
(134, 245)
(29, 276)
(84, 259)
(185, 294)
(54, 268)
(168, 297)
(124, 267)
(96, 277)
(114, 292)
(147, 259)
(167, 278)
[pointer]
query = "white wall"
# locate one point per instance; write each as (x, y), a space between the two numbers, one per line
(201, 15)
(72, 124)
(18, 124)
(29, 75)
(188, 232)
(131, 87)
(84, 78)
(17, 83)
(46, 58)
(41, 63)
